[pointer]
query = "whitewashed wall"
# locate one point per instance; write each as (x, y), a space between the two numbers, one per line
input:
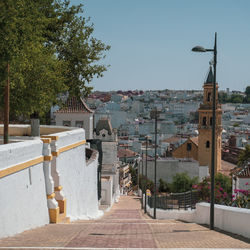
(107, 192)
(23, 197)
(87, 119)
(230, 219)
(23, 200)
(77, 179)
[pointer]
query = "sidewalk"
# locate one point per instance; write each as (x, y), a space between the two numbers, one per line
(124, 226)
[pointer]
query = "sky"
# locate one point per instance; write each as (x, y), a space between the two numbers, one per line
(151, 42)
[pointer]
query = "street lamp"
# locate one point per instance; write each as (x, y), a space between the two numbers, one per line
(154, 115)
(201, 49)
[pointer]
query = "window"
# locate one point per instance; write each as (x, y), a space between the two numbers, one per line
(204, 121)
(189, 147)
(211, 121)
(207, 144)
(79, 124)
(209, 97)
(67, 123)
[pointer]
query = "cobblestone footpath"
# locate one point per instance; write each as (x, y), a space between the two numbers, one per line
(124, 226)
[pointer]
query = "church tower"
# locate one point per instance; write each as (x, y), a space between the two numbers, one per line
(205, 125)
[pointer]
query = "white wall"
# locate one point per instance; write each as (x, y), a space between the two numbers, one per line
(23, 200)
(78, 180)
(23, 197)
(107, 192)
(109, 150)
(230, 219)
(87, 119)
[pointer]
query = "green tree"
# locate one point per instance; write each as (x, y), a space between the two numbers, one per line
(236, 98)
(247, 91)
(223, 97)
(247, 97)
(133, 173)
(50, 50)
(80, 52)
(244, 156)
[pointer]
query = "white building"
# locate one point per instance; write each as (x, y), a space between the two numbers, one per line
(76, 113)
(110, 164)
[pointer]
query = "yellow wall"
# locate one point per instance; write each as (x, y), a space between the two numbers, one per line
(182, 152)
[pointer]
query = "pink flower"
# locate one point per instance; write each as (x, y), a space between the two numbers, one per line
(247, 183)
(221, 189)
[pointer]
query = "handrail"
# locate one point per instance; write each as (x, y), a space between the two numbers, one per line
(176, 200)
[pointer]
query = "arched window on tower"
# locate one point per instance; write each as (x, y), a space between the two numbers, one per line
(209, 97)
(211, 121)
(207, 144)
(204, 121)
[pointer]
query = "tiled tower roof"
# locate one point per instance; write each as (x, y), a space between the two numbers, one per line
(210, 76)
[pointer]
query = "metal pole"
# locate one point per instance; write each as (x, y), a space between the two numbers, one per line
(7, 107)
(138, 176)
(142, 185)
(146, 176)
(155, 163)
(213, 139)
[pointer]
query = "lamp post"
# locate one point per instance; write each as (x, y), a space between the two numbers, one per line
(154, 114)
(214, 50)
(142, 186)
(146, 175)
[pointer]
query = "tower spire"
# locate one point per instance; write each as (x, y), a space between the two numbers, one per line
(210, 76)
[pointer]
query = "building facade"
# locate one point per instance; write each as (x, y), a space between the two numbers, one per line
(205, 125)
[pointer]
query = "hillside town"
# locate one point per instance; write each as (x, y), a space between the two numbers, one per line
(146, 148)
(125, 117)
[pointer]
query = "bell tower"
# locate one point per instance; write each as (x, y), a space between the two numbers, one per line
(205, 125)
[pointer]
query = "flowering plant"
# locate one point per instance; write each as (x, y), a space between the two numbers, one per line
(242, 198)
(222, 190)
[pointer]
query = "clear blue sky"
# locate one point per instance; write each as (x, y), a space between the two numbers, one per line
(151, 42)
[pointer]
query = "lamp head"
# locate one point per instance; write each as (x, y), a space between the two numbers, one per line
(199, 49)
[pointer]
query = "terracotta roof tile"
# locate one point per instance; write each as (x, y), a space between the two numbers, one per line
(122, 152)
(75, 105)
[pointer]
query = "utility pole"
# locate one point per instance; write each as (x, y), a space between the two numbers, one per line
(146, 176)
(142, 186)
(7, 107)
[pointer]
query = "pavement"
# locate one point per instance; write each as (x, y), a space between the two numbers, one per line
(125, 226)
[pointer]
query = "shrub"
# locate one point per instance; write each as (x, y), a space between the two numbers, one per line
(182, 183)
(164, 186)
(222, 189)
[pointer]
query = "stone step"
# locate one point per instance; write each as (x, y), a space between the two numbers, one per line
(63, 219)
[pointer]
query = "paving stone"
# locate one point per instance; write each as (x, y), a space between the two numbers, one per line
(125, 226)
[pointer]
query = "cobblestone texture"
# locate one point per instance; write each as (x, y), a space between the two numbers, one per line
(125, 226)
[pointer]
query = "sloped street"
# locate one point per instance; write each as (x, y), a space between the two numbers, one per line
(124, 226)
